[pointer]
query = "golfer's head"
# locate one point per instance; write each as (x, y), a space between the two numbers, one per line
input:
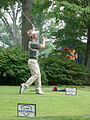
(33, 33)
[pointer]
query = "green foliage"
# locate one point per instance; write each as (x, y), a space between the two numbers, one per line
(13, 66)
(5, 3)
(59, 70)
(54, 68)
(38, 12)
(76, 16)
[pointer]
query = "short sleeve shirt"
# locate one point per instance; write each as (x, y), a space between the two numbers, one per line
(33, 50)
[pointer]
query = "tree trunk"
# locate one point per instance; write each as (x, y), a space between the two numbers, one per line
(87, 54)
(14, 28)
(26, 6)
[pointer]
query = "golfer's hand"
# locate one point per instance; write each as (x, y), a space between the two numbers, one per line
(43, 42)
(43, 38)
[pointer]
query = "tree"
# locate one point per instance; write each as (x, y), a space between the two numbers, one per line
(26, 19)
(26, 16)
(13, 11)
(77, 12)
(26, 5)
(4, 36)
(31, 17)
(39, 12)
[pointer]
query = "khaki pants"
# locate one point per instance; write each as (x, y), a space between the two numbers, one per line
(35, 74)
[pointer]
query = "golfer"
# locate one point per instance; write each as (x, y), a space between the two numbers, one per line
(33, 65)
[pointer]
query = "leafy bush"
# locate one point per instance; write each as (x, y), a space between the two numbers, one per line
(13, 66)
(54, 69)
(59, 70)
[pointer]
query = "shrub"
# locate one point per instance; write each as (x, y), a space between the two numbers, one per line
(54, 69)
(62, 71)
(13, 66)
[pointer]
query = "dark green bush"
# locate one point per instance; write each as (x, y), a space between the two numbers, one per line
(13, 66)
(54, 69)
(59, 70)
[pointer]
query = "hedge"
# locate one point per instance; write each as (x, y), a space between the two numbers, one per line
(58, 70)
(54, 69)
(13, 66)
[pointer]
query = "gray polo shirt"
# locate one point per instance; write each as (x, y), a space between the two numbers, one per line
(33, 50)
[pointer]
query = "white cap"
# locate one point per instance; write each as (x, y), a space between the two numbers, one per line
(32, 32)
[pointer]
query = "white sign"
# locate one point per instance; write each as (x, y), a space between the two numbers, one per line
(70, 91)
(28, 110)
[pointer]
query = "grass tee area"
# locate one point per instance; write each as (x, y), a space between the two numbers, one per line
(51, 106)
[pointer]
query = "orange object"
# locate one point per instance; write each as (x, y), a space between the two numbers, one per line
(54, 89)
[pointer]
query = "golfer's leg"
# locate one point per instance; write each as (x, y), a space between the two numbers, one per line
(38, 80)
(34, 72)
(30, 80)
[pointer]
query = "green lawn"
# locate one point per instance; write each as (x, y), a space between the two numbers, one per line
(51, 106)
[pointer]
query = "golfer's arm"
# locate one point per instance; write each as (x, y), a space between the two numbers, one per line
(43, 43)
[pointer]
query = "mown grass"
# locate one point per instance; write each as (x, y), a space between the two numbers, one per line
(51, 106)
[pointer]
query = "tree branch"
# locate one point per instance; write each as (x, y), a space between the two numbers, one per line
(7, 26)
(18, 9)
(9, 14)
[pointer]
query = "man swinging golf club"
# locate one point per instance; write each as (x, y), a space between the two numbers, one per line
(33, 65)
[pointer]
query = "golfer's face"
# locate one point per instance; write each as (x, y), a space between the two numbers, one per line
(35, 36)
